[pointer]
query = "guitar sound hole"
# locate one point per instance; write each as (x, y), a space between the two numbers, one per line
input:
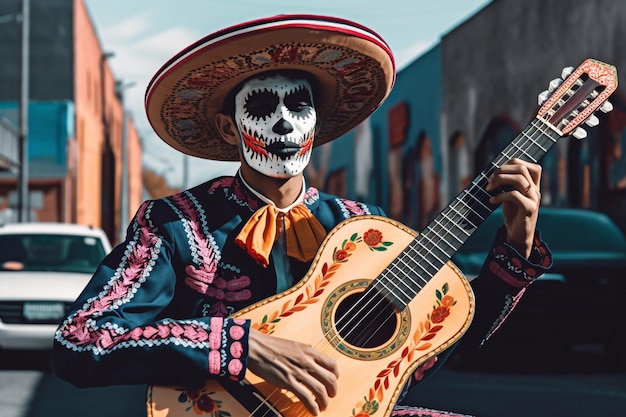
(365, 320)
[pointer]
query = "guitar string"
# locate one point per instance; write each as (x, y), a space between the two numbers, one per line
(539, 126)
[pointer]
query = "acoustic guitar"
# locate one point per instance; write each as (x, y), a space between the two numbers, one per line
(379, 297)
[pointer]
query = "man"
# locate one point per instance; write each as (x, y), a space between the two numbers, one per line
(265, 93)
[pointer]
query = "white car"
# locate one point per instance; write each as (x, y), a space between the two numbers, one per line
(43, 269)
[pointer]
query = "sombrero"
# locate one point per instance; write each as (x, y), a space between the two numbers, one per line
(353, 65)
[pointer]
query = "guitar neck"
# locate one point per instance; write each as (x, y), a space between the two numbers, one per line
(447, 232)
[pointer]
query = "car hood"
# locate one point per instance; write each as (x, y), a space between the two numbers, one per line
(471, 263)
(25, 285)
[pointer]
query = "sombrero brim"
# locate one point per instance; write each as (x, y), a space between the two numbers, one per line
(353, 65)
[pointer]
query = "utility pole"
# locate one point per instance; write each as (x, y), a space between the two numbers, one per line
(185, 171)
(23, 197)
(121, 88)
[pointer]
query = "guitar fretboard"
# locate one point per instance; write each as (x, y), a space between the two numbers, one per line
(445, 234)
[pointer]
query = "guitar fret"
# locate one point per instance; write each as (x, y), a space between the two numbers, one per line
(523, 152)
(395, 283)
(411, 267)
(438, 222)
(394, 297)
(479, 202)
(428, 251)
(538, 145)
(462, 214)
(413, 262)
(427, 265)
(436, 246)
(508, 157)
(450, 220)
(442, 237)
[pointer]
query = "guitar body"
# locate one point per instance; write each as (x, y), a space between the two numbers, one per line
(326, 310)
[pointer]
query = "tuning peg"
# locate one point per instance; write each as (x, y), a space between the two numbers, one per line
(592, 121)
(543, 97)
(606, 107)
(554, 84)
(579, 133)
(567, 71)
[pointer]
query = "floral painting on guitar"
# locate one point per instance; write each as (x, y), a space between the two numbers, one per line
(372, 238)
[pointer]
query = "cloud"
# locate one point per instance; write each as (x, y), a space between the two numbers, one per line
(128, 28)
(140, 56)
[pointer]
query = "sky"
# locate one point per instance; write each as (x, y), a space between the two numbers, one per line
(144, 34)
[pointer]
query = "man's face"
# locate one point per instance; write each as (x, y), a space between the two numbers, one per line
(276, 121)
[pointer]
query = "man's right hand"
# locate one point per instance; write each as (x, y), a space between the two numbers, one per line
(310, 375)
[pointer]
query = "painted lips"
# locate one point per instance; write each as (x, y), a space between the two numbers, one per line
(283, 150)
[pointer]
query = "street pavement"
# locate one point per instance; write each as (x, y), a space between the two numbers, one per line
(529, 382)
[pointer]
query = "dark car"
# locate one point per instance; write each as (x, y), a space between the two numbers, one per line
(578, 306)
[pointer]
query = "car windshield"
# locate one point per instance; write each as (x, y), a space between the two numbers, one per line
(50, 252)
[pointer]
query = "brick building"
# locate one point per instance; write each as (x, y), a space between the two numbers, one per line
(75, 120)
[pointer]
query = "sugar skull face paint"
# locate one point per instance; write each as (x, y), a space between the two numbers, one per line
(276, 119)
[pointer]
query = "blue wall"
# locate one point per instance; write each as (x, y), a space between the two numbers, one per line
(418, 91)
(50, 125)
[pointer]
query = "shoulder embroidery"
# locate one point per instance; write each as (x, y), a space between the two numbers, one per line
(351, 208)
(223, 183)
(311, 196)
(235, 191)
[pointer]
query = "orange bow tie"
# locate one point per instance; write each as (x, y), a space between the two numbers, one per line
(304, 233)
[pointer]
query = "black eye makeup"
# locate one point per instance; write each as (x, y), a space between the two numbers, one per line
(299, 101)
(261, 104)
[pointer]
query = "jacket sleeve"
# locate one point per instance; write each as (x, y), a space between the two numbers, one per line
(501, 284)
(118, 331)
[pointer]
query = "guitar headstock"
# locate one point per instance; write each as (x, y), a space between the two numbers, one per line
(573, 100)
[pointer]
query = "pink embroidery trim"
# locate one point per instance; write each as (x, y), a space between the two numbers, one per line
(214, 362)
(140, 254)
(506, 311)
(217, 323)
(504, 275)
(236, 350)
(354, 208)
(199, 277)
(235, 367)
(215, 342)
(236, 332)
